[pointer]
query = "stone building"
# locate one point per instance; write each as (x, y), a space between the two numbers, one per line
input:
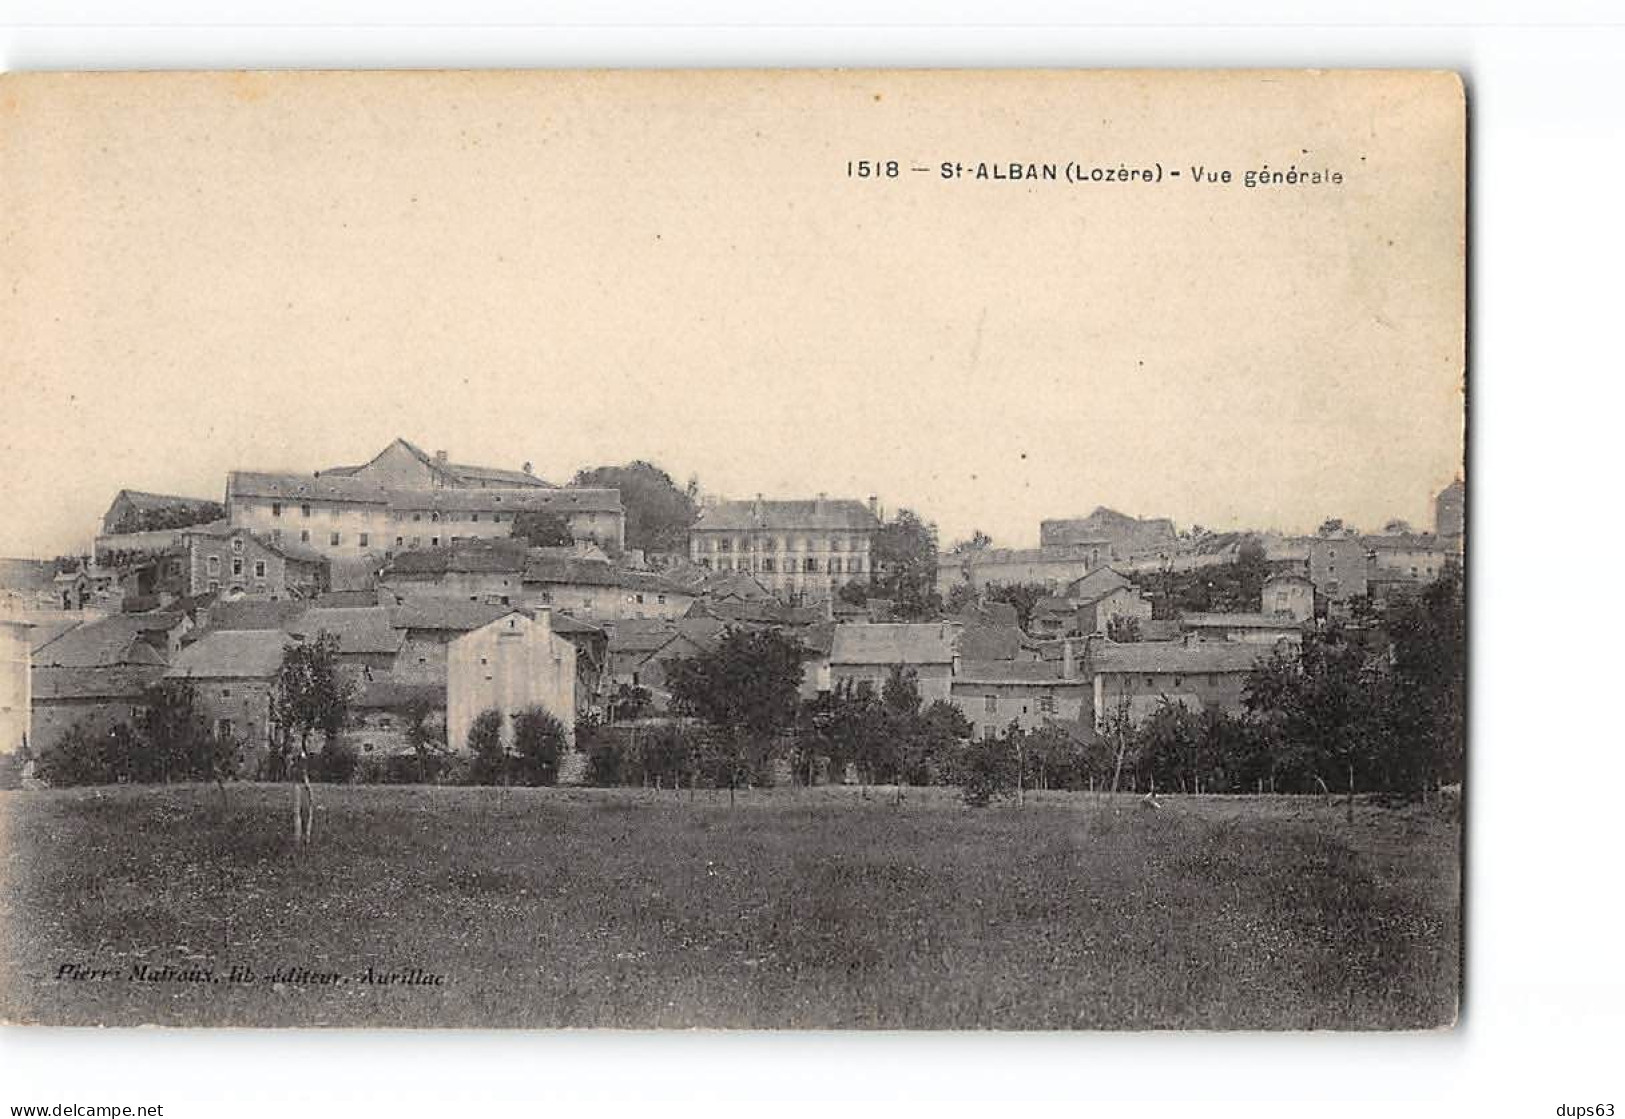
(232, 672)
(799, 550)
(514, 662)
(867, 653)
(233, 560)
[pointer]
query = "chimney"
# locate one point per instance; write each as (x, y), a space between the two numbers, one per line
(821, 499)
(440, 457)
(527, 469)
(874, 506)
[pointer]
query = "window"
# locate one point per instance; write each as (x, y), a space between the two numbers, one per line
(365, 538)
(661, 599)
(1212, 678)
(222, 728)
(1046, 704)
(640, 600)
(213, 565)
(304, 510)
(304, 536)
(434, 541)
(767, 563)
(417, 516)
(400, 540)
(259, 569)
(333, 539)
(476, 517)
(214, 584)
(225, 693)
(237, 544)
(276, 508)
(1178, 680)
(1150, 681)
(725, 545)
(991, 704)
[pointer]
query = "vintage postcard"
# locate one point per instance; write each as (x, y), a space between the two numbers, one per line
(754, 549)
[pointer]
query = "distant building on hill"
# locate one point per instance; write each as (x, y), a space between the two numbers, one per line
(799, 550)
(1123, 536)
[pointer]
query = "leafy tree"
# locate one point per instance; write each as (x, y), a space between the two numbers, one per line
(631, 702)
(658, 513)
(539, 742)
(747, 687)
(309, 695)
(943, 731)
(904, 561)
(960, 595)
(1397, 527)
(1123, 627)
(490, 764)
(854, 593)
(977, 541)
(986, 770)
(543, 529)
(1331, 526)
(181, 743)
(1023, 596)
(428, 747)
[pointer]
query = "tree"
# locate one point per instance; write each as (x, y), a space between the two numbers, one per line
(630, 701)
(854, 593)
(539, 742)
(658, 513)
(960, 595)
(542, 529)
(490, 764)
(1331, 526)
(1023, 596)
(1397, 527)
(986, 769)
(747, 687)
(309, 695)
(428, 747)
(181, 744)
(977, 541)
(904, 564)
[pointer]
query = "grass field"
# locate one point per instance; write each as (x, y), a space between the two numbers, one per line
(797, 908)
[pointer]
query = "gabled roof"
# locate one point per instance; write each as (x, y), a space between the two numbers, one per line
(1175, 657)
(1096, 585)
(787, 516)
(456, 472)
(120, 639)
(566, 626)
(252, 613)
(640, 635)
(1051, 604)
(595, 573)
(296, 488)
(122, 681)
(359, 629)
(445, 614)
(395, 695)
(232, 654)
(993, 643)
(886, 643)
(498, 556)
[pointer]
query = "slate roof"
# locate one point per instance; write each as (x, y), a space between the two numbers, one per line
(43, 633)
(447, 614)
(770, 612)
(296, 488)
(120, 639)
(812, 516)
(1096, 585)
(26, 575)
(253, 613)
(1051, 604)
(394, 695)
(232, 654)
(993, 642)
(123, 681)
(595, 573)
(461, 472)
(989, 614)
(640, 635)
(885, 643)
(1175, 657)
(365, 597)
(1404, 542)
(360, 629)
(495, 556)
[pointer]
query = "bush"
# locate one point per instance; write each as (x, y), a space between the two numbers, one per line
(335, 763)
(489, 762)
(986, 769)
(83, 757)
(539, 741)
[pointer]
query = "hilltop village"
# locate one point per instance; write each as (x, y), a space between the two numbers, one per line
(447, 590)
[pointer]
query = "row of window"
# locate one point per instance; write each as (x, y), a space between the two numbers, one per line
(768, 566)
(433, 516)
(777, 544)
(212, 565)
(1046, 704)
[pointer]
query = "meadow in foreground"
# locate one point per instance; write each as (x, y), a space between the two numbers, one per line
(795, 908)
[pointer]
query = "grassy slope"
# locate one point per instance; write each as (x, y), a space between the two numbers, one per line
(807, 909)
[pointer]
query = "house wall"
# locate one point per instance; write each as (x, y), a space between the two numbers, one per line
(1124, 602)
(360, 527)
(991, 707)
(1145, 692)
(246, 703)
(1293, 597)
(834, 558)
(934, 680)
(422, 659)
(382, 732)
(52, 719)
(1337, 568)
(15, 685)
(594, 602)
(511, 664)
(1421, 565)
(238, 561)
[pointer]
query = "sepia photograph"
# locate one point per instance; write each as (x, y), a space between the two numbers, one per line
(737, 549)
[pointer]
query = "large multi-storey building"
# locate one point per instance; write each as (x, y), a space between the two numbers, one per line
(799, 550)
(346, 517)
